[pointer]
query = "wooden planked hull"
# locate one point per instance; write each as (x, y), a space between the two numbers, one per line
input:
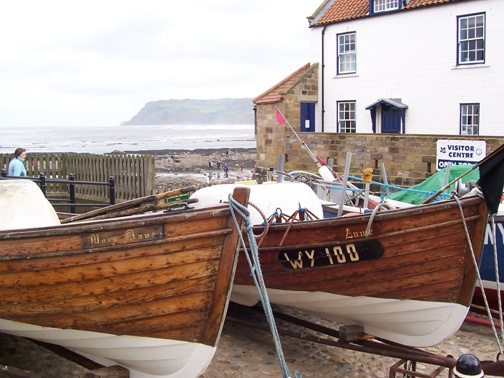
(416, 261)
(148, 292)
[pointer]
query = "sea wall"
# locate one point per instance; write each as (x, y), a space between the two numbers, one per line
(408, 159)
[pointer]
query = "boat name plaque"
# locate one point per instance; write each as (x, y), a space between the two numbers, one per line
(337, 254)
(122, 237)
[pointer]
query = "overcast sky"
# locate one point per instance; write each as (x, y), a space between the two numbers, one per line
(96, 63)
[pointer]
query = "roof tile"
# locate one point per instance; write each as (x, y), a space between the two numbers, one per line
(343, 10)
(274, 94)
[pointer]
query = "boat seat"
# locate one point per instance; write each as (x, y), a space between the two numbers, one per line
(23, 205)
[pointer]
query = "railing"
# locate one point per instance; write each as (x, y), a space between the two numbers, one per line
(61, 200)
(134, 174)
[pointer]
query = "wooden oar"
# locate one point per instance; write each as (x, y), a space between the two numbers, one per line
(131, 203)
(142, 209)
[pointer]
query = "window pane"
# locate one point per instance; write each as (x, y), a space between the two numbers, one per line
(384, 5)
(469, 119)
(346, 117)
(347, 56)
(471, 36)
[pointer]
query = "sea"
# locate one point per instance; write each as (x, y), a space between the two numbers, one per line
(106, 139)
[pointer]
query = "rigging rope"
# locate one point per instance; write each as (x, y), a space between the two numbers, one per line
(497, 276)
(478, 275)
(252, 256)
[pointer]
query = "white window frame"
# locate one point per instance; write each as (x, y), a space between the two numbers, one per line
(346, 117)
(385, 5)
(469, 119)
(471, 39)
(347, 55)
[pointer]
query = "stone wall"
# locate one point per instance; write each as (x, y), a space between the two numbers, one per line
(408, 159)
(272, 138)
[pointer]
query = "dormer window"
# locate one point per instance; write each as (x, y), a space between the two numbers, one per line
(377, 6)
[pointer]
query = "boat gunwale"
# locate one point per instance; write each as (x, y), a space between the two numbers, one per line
(113, 223)
(394, 213)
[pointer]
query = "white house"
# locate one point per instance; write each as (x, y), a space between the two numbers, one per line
(408, 67)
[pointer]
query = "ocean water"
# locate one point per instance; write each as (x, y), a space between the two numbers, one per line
(99, 140)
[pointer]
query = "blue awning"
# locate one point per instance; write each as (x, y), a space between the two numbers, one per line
(396, 102)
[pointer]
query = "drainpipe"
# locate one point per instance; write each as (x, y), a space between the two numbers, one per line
(322, 90)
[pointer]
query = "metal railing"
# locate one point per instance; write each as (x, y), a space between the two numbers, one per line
(70, 183)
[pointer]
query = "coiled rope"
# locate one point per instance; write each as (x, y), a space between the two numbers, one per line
(252, 256)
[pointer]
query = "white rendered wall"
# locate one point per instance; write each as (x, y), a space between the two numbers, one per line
(412, 55)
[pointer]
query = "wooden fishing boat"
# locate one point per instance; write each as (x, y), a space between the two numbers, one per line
(406, 275)
(410, 281)
(148, 292)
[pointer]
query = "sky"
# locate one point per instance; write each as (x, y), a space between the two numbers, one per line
(98, 62)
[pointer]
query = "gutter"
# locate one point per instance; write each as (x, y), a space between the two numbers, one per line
(322, 87)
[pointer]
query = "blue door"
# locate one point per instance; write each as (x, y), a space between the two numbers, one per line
(307, 117)
(391, 120)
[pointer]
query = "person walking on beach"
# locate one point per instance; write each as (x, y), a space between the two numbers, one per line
(210, 165)
(225, 168)
(16, 165)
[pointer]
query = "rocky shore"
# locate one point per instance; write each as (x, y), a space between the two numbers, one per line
(181, 168)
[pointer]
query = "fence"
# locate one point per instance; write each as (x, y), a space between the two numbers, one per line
(133, 174)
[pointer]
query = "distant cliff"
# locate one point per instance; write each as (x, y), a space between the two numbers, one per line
(224, 111)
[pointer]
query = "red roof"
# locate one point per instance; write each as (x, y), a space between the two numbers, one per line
(274, 94)
(343, 10)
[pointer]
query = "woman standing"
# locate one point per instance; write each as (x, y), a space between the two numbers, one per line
(16, 165)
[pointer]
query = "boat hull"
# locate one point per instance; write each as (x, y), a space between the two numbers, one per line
(411, 322)
(144, 357)
(117, 290)
(414, 259)
(487, 268)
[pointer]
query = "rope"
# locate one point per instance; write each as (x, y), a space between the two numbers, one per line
(400, 188)
(266, 224)
(255, 268)
(476, 268)
(373, 214)
(497, 276)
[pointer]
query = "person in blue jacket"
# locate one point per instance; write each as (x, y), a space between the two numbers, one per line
(16, 165)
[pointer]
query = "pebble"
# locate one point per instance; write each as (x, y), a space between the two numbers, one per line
(249, 352)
